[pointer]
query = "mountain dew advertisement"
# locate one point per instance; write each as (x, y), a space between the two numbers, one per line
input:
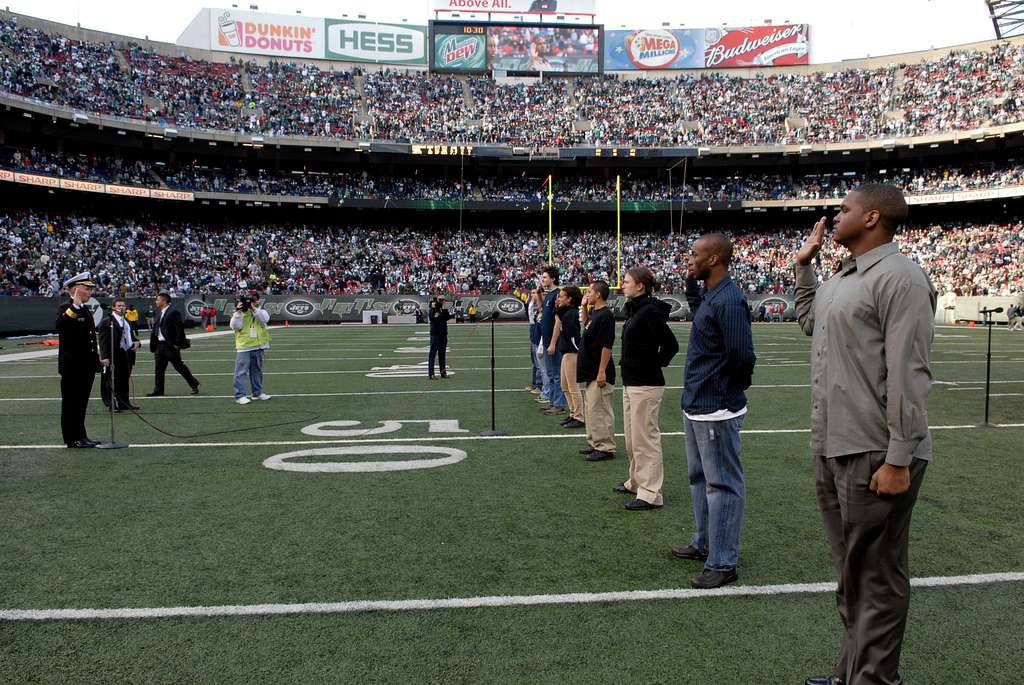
(464, 49)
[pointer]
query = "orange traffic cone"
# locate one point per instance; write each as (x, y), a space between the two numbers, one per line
(971, 324)
(209, 328)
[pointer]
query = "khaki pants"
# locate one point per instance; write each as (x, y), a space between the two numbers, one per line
(570, 388)
(641, 405)
(600, 416)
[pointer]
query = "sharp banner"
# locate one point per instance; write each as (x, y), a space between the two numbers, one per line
(712, 48)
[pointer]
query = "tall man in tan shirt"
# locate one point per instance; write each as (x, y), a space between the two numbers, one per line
(872, 325)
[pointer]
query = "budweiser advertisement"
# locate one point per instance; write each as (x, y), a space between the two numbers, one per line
(699, 48)
(756, 46)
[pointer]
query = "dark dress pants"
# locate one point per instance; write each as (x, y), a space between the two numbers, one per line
(122, 372)
(75, 389)
(868, 536)
(438, 345)
(165, 354)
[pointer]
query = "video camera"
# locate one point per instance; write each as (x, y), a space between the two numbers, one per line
(243, 303)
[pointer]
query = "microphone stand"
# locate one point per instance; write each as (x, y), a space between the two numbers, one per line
(113, 444)
(987, 313)
(493, 432)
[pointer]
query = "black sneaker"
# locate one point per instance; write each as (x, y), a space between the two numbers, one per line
(598, 455)
(573, 423)
(585, 450)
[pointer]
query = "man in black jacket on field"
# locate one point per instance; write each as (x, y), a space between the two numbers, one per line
(438, 317)
(77, 361)
(166, 341)
(118, 344)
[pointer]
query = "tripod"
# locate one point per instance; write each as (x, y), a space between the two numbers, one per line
(987, 313)
(114, 399)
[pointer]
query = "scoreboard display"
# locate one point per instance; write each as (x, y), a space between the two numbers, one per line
(517, 49)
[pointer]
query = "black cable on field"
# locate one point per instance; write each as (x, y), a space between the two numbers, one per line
(310, 418)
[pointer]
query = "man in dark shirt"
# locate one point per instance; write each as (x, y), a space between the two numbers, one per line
(719, 366)
(596, 371)
(438, 317)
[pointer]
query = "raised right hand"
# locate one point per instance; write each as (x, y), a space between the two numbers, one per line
(812, 245)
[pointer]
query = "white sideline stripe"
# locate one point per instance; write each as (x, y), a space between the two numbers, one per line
(492, 601)
(461, 438)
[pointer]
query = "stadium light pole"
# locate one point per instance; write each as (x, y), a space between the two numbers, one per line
(987, 313)
(494, 431)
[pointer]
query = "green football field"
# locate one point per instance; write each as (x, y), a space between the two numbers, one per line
(498, 560)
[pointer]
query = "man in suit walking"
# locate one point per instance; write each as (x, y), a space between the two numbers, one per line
(118, 344)
(166, 341)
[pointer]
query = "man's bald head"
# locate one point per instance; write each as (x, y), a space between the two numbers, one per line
(717, 244)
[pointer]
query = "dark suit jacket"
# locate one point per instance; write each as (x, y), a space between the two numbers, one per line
(173, 328)
(76, 331)
(105, 334)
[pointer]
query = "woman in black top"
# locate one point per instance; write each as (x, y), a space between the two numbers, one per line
(567, 307)
(648, 346)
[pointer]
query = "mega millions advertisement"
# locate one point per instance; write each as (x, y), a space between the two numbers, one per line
(266, 34)
(752, 46)
(459, 48)
(575, 50)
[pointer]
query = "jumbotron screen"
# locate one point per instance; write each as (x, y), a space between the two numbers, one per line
(517, 49)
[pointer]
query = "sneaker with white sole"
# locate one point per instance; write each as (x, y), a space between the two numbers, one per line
(262, 396)
(243, 400)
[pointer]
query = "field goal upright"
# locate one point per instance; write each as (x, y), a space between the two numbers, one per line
(549, 182)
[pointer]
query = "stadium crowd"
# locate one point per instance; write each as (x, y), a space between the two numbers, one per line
(960, 91)
(143, 256)
(518, 188)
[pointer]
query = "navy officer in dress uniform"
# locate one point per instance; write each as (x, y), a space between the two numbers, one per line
(77, 359)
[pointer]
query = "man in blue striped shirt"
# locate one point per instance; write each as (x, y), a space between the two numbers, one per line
(719, 366)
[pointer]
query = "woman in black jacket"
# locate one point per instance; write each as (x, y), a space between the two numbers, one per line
(648, 346)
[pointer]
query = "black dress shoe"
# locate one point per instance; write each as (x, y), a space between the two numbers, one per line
(585, 450)
(689, 552)
(708, 578)
(823, 680)
(623, 489)
(642, 505)
(195, 389)
(154, 394)
(82, 444)
(598, 455)
(573, 423)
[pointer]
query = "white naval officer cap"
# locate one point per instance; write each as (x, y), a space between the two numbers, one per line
(83, 278)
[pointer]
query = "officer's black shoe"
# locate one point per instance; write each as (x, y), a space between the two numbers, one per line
(81, 444)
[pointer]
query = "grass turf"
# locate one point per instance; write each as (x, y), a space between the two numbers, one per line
(178, 525)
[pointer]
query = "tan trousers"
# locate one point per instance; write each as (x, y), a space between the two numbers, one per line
(640, 409)
(600, 416)
(570, 388)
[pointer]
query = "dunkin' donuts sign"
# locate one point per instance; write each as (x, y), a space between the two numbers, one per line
(756, 46)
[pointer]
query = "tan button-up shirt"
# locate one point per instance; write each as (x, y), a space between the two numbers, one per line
(872, 325)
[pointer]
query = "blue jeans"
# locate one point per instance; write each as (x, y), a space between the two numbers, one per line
(717, 489)
(249, 363)
(535, 380)
(553, 367)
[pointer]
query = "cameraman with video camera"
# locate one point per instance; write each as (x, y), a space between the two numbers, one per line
(249, 322)
(438, 317)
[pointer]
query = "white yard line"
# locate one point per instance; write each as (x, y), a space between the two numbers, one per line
(493, 601)
(460, 438)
